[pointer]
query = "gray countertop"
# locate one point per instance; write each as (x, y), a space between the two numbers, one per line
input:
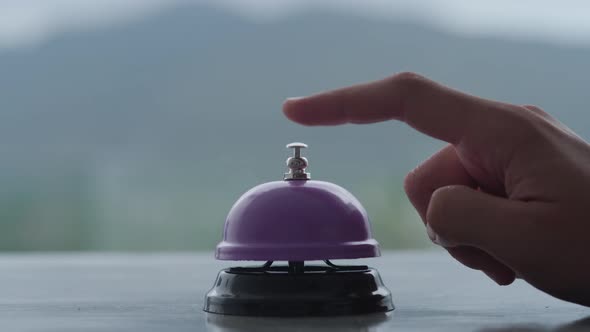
(164, 292)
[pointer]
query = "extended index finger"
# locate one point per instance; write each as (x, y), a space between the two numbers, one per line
(427, 106)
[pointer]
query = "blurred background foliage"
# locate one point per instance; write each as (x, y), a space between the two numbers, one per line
(139, 131)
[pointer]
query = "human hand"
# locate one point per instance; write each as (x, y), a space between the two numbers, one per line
(509, 195)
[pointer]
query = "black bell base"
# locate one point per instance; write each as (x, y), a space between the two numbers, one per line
(314, 292)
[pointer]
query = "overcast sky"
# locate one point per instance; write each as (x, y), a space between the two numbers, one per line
(25, 23)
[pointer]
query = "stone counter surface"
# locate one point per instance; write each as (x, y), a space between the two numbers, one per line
(165, 291)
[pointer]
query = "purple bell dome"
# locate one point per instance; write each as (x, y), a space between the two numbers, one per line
(297, 220)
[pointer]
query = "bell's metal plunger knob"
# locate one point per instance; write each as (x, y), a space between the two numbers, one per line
(297, 164)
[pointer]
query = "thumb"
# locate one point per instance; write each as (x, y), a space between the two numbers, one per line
(459, 215)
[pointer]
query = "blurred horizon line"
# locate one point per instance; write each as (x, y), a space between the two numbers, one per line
(29, 23)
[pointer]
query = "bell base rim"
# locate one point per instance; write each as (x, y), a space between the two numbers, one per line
(333, 293)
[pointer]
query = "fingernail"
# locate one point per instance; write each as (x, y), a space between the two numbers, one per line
(431, 233)
(435, 238)
(293, 98)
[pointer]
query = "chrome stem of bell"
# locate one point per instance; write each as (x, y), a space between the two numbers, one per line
(297, 164)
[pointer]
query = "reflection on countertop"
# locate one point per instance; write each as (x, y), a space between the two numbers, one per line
(362, 323)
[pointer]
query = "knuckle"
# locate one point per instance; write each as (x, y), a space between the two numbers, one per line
(409, 86)
(418, 185)
(408, 79)
(412, 182)
(534, 108)
(539, 112)
(407, 76)
(439, 206)
(521, 125)
(533, 125)
(444, 211)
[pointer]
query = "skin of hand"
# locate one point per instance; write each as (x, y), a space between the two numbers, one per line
(509, 195)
